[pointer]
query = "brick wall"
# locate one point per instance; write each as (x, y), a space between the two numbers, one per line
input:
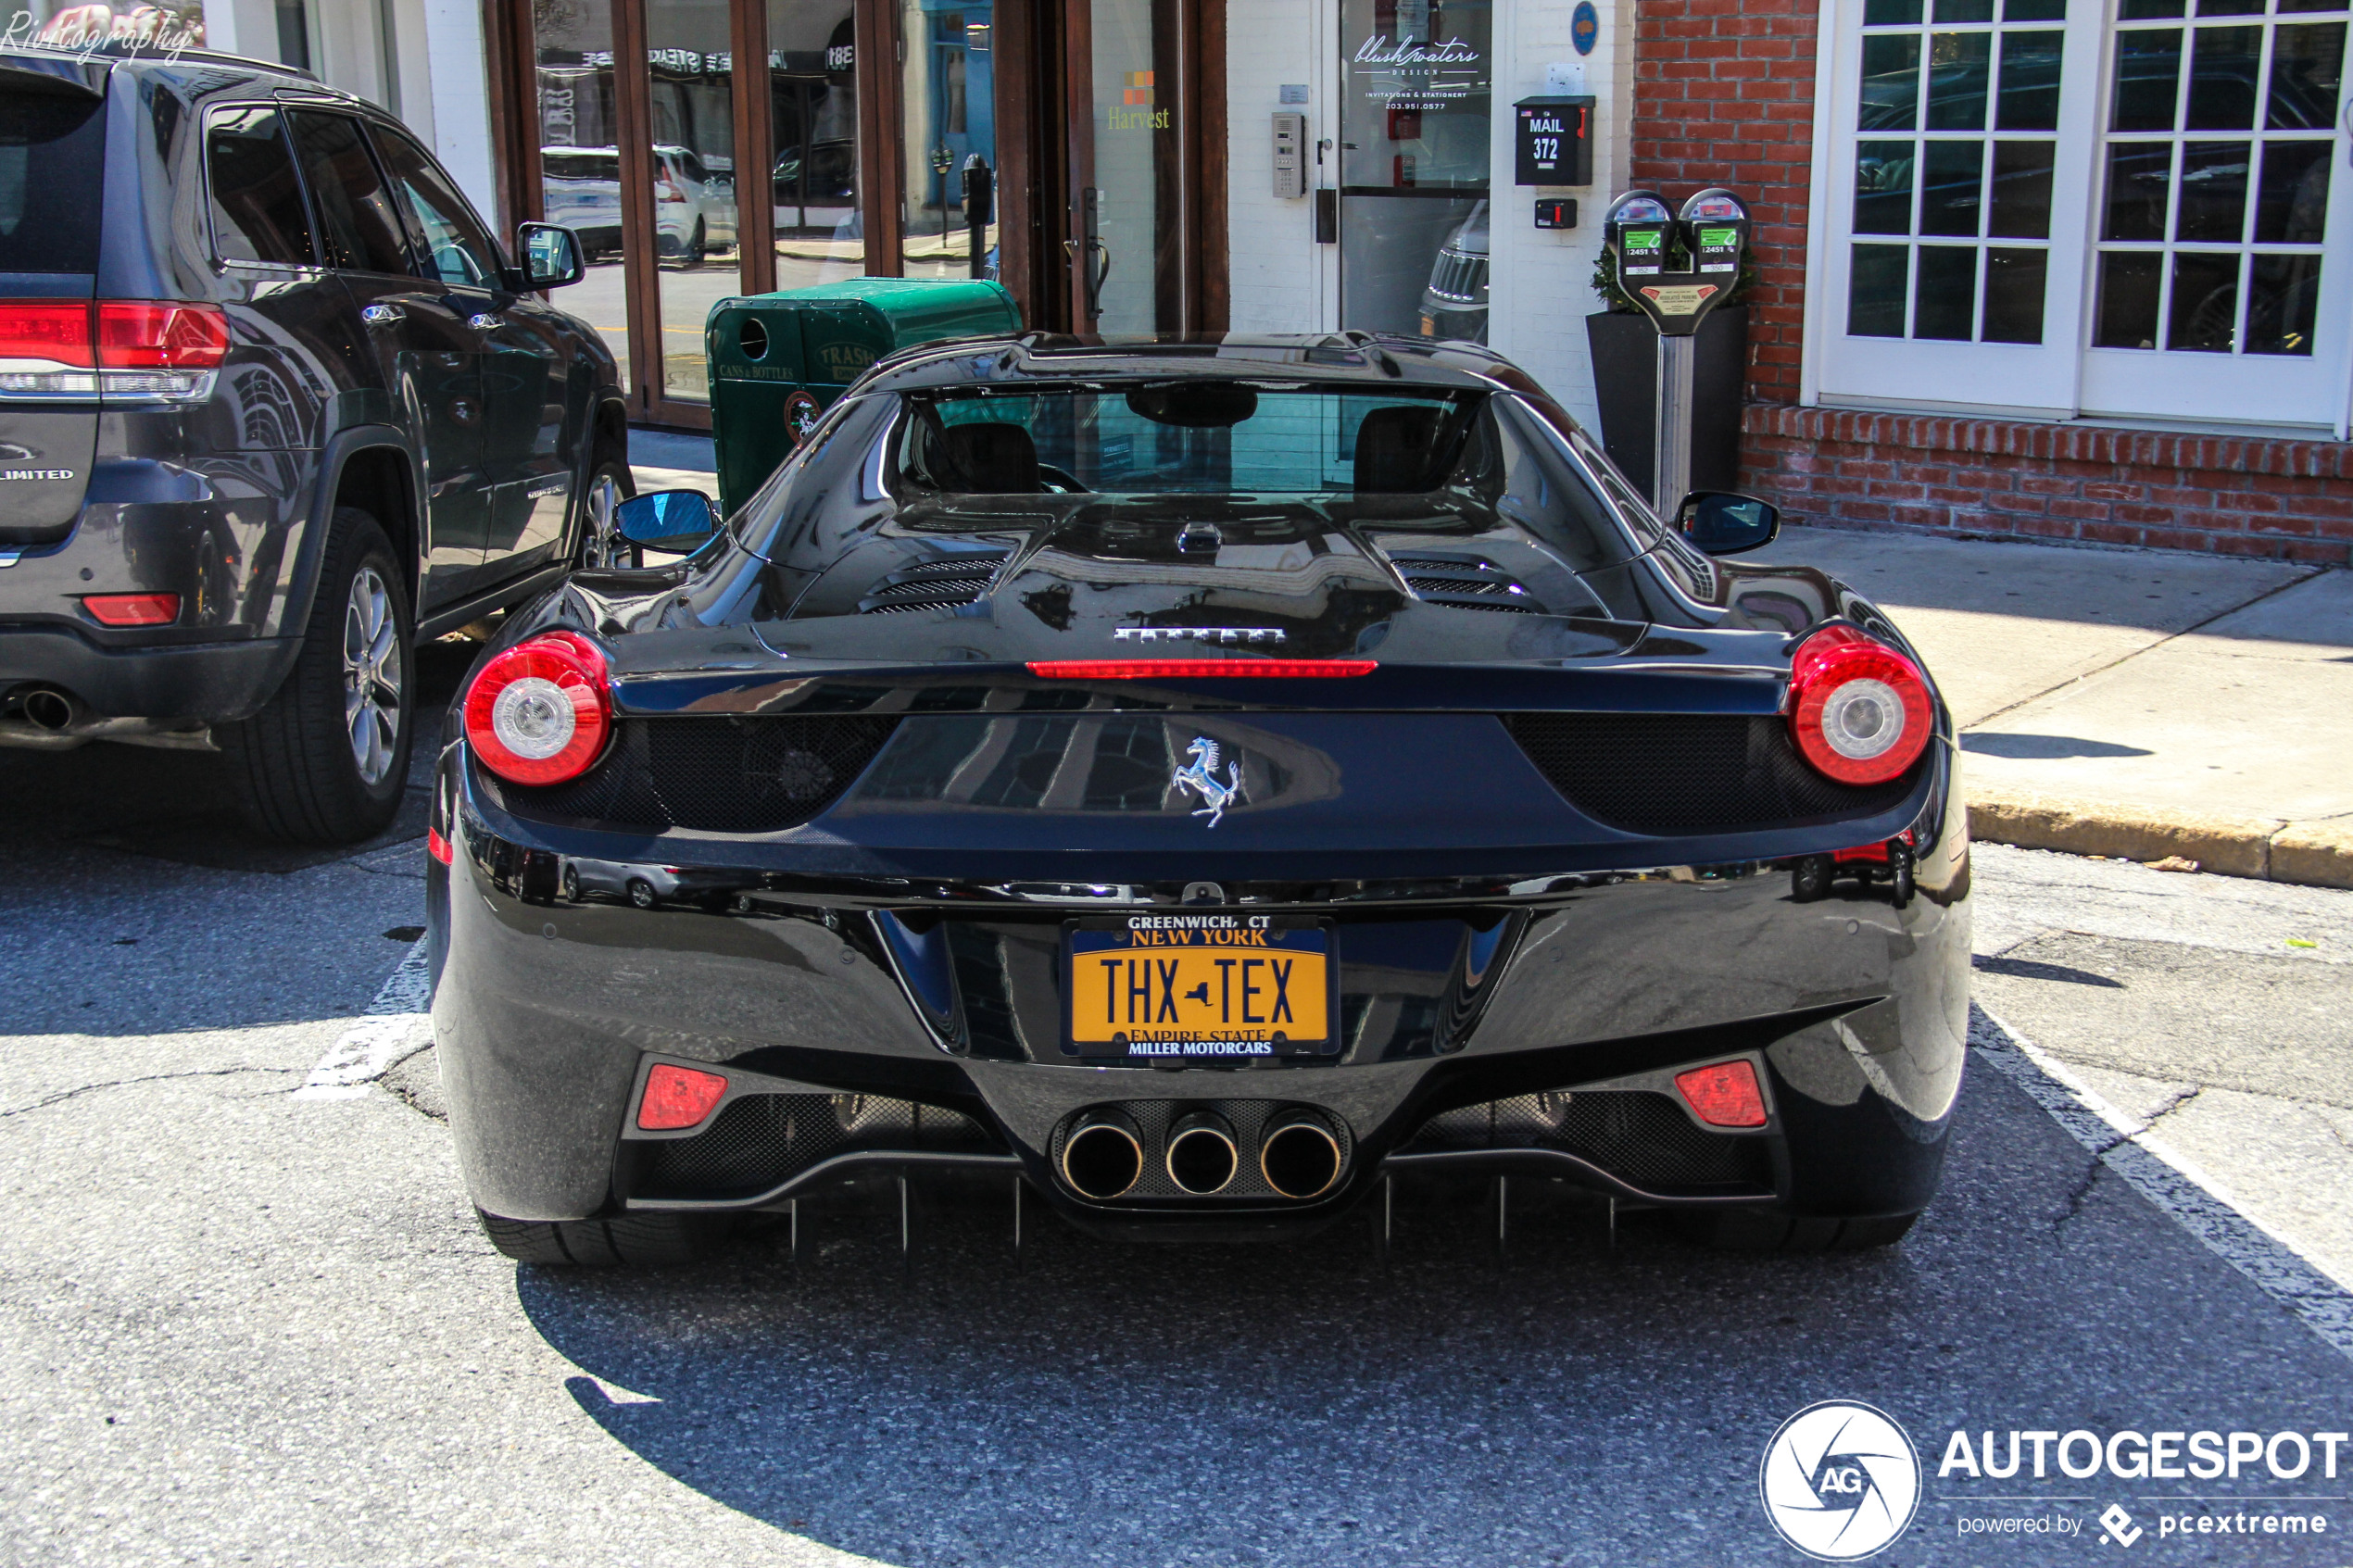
(1724, 94)
(2290, 500)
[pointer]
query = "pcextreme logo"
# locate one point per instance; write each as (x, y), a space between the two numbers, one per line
(1841, 1481)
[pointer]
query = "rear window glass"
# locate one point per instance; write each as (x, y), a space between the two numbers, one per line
(52, 155)
(1188, 437)
(257, 202)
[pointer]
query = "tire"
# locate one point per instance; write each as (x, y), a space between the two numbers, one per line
(1810, 879)
(326, 759)
(1765, 1230)
(635, 1241)
(641, 892)
(610, 483)
(571, 885)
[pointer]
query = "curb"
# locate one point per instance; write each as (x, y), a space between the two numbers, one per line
(2315, 854)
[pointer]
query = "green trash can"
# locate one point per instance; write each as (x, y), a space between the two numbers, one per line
(778, 360)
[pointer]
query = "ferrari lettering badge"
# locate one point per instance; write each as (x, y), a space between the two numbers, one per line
(1200, 776)
(1198, 634)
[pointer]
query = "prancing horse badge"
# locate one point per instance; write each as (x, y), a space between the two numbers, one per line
(1199, 775)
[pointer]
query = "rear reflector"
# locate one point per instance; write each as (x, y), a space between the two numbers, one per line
(677, 1097)
(436, 846)
(1195, 669)
(1725, 1095)
(132, 610)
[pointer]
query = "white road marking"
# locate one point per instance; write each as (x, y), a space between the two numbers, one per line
(381, 1036)
(2176, 1184)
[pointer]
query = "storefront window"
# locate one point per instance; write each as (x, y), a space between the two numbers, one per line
(948, 105)
(812, 104)
(692, 165)
(1414, 161)
(579, 156)
(2117, 207)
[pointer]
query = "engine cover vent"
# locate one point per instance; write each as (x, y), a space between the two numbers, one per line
(1466, 583)
(943, 583)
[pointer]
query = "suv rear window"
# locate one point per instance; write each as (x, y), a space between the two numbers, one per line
(52, 155)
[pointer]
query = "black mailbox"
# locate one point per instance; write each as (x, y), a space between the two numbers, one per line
(1556, 144)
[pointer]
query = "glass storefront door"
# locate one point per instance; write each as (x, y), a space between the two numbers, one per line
(812, 116)
(690, 162)
(578, 128)
(645, 167)
(1416, 85)
(948, 111)
(694, 169)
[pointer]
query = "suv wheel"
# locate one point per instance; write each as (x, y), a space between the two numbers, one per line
(326, 760)
(610, 483)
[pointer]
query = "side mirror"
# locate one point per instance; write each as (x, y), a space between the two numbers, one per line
(674, 521)
(550, 256)
(1722, 523)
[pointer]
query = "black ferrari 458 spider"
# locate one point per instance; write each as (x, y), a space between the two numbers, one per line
(1195, 783)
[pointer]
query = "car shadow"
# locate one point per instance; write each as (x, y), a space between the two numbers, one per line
(1572, 1399)
(182, 805)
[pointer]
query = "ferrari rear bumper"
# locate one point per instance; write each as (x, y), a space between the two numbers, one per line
(1531, 1022)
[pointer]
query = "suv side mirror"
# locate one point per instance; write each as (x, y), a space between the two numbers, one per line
(1723, 523)
(550, 256)
(674, 521)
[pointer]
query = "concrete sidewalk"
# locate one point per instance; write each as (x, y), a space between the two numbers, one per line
(2129, 703)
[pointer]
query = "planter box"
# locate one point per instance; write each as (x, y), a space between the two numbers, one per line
(1626, 385)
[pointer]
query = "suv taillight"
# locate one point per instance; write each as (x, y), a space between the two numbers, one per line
(117, 350)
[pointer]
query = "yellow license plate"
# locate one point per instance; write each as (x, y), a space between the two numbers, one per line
(1179, 984)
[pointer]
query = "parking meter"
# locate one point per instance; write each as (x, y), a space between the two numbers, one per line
(1676, 267)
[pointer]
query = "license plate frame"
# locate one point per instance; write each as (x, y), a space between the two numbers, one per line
(1196, 940)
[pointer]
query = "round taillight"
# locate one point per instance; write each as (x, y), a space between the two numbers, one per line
(539, 713)
(1859, 709)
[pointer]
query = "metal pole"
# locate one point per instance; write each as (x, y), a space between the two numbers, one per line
(1671, 435)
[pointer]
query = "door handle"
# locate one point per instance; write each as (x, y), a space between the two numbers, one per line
(486, 321)
(382, 315)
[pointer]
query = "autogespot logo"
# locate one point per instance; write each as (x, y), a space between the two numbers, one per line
(1841, 1481)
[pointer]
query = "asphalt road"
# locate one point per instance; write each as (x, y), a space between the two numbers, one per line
(241, 1327)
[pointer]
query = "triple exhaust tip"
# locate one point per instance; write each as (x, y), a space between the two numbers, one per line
(1298, 1156)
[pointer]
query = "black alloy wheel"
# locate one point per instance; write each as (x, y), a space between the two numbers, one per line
(326, 759)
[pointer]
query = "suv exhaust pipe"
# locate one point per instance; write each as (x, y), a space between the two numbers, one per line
(1102, 1157)
(1298, 1157)
(48, 709)
(1201, 1157)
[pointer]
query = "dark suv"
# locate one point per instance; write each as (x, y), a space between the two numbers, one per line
(273, 404)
